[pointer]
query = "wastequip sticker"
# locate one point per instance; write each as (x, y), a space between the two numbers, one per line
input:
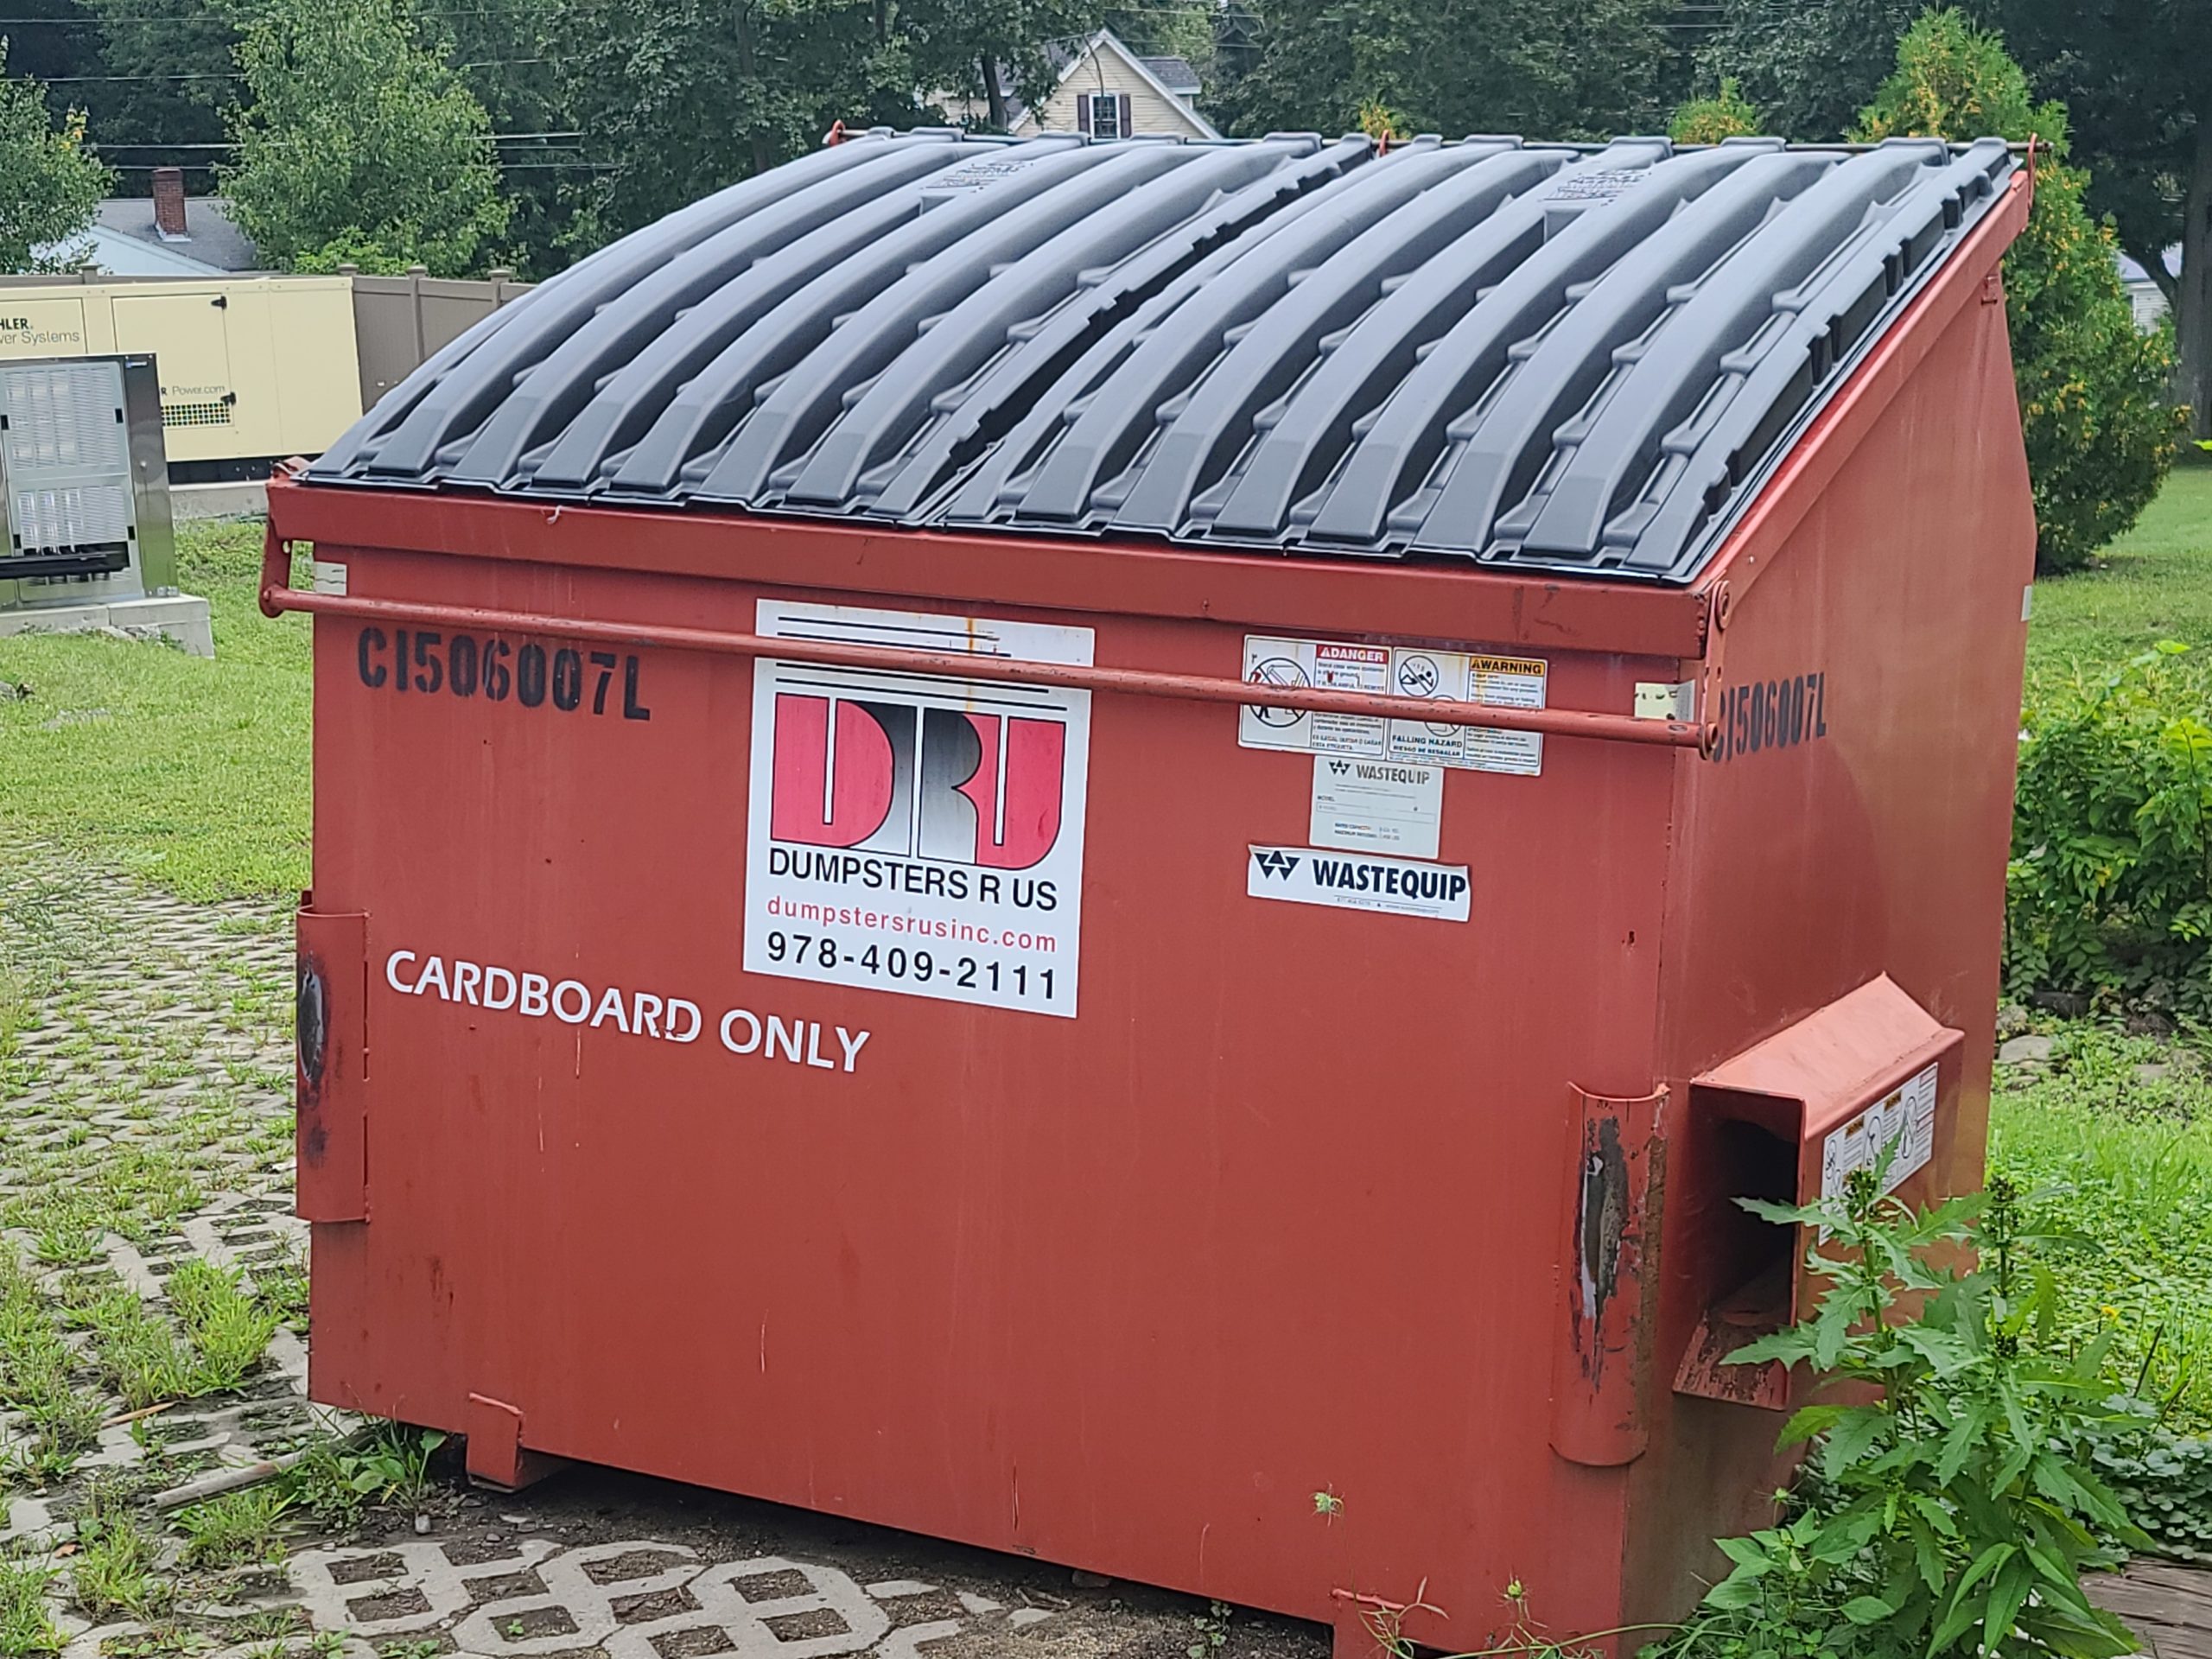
(918, 833)
(1377, 806)
(1401, 672)
(1398, 886)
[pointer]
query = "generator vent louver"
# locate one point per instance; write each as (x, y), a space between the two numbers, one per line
(1580, 360)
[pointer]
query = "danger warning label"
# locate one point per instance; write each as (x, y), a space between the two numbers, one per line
(1399, 671)
(918, 834)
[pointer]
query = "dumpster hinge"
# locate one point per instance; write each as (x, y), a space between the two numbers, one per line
(331, 1060)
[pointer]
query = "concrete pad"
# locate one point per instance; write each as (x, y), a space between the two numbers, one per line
(244, 498)
(180, 617)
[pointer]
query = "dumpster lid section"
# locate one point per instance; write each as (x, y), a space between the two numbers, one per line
(1580, 361)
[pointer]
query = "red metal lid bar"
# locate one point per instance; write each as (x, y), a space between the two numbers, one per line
(278, 596)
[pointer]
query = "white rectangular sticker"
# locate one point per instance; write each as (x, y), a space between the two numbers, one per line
(1377, 806)
(1396, 671)
(1905, 1118)
(920, 834)
(1398, 886)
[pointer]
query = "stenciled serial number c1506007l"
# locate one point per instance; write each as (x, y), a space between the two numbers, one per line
(423, 662)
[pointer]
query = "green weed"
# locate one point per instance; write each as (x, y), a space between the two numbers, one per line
(336, 1480)
(36, 1367)
(228, 1329)
(26, 1625)
(237, 1529)
(135, 1352)
(113, 1574)
(1952, 1509)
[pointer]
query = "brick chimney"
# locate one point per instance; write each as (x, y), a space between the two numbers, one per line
(168, 201)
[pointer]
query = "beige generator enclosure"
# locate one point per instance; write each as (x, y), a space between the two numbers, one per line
(251, 369)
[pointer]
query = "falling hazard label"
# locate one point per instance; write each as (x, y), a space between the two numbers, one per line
(1402, 672)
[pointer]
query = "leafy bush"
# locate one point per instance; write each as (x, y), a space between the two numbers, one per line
(1727, 114)
(1951, 1513)
(2165, 1481)
(2100, 430)
(2110, 887)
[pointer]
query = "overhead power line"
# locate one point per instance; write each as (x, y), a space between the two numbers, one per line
(496, 137)
(239, 74)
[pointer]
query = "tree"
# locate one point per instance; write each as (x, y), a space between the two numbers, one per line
(681, 99)
(2134, 79)
(176, 76)
(1548, 68)
(998, 50)
(2101, 433)
(50, 182)
(1708, 120)
(508, 55)
(1809, 66)
(358, 143)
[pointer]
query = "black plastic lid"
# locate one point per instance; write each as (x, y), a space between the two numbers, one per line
(1550, 357)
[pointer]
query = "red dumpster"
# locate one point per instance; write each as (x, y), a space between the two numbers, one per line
(1119, 849)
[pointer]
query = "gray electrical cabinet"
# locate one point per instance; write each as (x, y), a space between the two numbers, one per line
(83, 483)
(86, 538)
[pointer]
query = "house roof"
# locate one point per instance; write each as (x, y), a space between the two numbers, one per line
(1583, 361)
(1174, 73)
(1172, 78)
(211, 238)
(2132, 271)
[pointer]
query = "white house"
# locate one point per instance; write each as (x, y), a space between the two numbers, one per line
(2144, 294)
(1108, 90)
(167, 234)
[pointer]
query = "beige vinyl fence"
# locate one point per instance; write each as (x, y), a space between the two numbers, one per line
(398, 322)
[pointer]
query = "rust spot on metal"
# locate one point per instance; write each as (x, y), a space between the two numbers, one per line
(1603, 1221)
(311, 1042)
(311, 1012)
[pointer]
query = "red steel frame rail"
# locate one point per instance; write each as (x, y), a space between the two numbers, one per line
(278, 595)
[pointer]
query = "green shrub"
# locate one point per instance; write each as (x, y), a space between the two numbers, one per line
(1727, 114)
(1954, 1511)
(2110, 887)
(2165, 1481)
(2100, 429)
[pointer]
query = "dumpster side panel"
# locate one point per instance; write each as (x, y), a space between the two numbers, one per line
(1855, 821)
(1277, 1215)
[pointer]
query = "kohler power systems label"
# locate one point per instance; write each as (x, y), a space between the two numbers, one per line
(918, 834)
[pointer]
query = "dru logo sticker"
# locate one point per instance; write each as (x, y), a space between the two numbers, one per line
(917, 833)
(918, 781)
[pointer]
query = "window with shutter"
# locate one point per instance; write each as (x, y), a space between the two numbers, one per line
(1109, 113)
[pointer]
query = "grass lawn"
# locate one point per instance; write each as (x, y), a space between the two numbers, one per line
(2112, 1141)
(190, 772)
(2154, 584)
